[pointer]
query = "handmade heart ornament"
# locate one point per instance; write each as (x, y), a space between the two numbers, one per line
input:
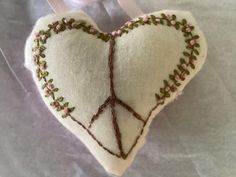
(107, 87)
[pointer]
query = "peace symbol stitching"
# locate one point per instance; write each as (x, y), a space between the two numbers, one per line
(170, 85)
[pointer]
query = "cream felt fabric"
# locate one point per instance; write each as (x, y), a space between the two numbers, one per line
(143, 58)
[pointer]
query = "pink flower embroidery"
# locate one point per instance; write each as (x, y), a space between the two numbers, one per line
(58, 27)
(55, 23)
(184, 65)
(114, 33)
(37, 35)
(56, 105)
(50, 86)
(129, 23)
(169, 17)
(157, 20)
(177, 77)
(66, 110)
(36, 59)
(47, 91)
(119, 32)
(92, 30)
(44, 37)
(193, 42)
(173, 22)
(42, 66)
(37, 52)
(188, 28)
(74, 25)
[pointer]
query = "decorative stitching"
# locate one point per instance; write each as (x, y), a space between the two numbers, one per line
(128, 108)
(113, 97)
(100, 110)
(170, 85)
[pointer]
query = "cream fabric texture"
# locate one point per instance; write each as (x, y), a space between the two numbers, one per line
(78, 64)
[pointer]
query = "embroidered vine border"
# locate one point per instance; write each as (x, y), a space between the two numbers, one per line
(169, 85)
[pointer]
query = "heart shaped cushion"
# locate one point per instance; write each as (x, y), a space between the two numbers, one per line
(107, 87)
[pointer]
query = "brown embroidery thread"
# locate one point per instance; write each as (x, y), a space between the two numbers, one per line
(179, 73)
(113, 97)
(113, 100)
(100, 110)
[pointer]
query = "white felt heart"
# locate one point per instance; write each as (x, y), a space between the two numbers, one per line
(107, 87)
